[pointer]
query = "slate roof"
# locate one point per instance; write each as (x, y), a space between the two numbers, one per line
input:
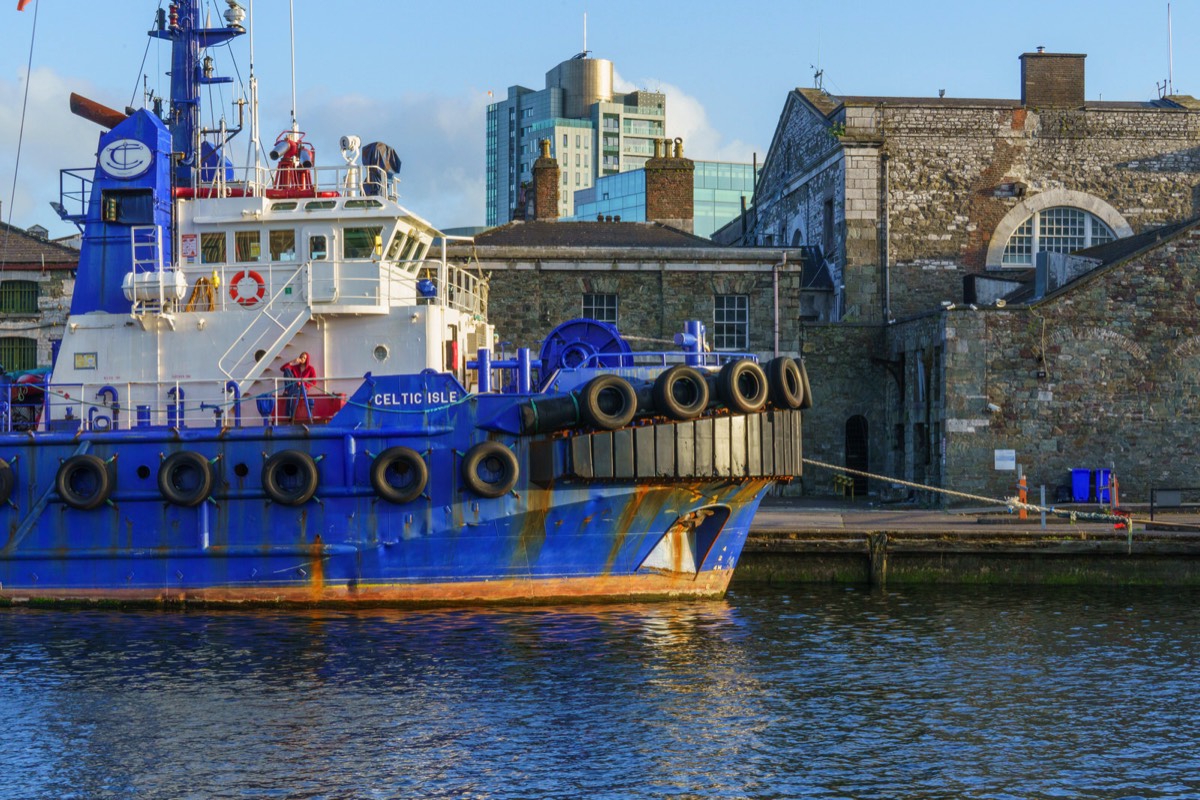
(589, 234)
(20, 250)
(828, 103)
(1107, 254)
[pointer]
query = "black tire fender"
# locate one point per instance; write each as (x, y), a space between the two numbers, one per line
(84, 481)
(742, 385)
(290, 477)
(681, 392)
(185, 479)
(807, 402)
(403, 463)
(786, 382)
(608, 402)
(489, 469)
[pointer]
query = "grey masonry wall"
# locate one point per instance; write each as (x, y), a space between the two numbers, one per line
(1104, 375)
(535, 289)
(954, 171)
(906, 197)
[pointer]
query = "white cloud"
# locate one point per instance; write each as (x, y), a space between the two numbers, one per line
(688, 120)
(53, 139)
(440, 141)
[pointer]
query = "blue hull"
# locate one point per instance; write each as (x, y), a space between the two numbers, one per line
(551, 537)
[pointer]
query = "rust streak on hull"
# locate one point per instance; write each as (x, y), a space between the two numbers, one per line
(709, 584)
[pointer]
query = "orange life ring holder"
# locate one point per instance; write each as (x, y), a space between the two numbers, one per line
(247, 299)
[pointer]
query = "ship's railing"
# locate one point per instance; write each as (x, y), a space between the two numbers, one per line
(663, 358)
(75, 192)
(347, 180)
(440, 282)
(74, 408)
(361, 283)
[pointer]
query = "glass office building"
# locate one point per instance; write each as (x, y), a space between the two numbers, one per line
(593, 132)
(717, 189)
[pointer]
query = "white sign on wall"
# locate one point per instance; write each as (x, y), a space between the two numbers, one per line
(1006, 460)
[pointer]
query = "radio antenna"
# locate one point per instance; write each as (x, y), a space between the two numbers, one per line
(1170, 55)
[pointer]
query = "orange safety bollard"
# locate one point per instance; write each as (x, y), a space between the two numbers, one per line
(1116, 506)
(1023, 496)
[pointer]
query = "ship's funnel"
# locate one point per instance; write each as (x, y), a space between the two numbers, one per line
(95, 112)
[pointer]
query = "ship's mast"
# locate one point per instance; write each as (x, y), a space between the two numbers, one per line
(181, 26)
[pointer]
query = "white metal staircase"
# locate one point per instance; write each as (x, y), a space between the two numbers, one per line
(269, 331)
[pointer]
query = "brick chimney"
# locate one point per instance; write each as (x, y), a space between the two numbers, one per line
(1052, 80)
(545, 184)
(670, 197)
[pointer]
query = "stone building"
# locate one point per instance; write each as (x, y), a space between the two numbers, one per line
(1094, 363)
(922, 204)
(37, 278)
(647, 277)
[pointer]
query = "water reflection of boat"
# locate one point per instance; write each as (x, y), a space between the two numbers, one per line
(170, 460)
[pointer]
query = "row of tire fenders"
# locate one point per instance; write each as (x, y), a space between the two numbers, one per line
(489, 469)
(290, 477)
(681, 393)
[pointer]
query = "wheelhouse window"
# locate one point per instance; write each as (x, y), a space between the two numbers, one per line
(731, 322)
(395, 246)
(600, 307)
(318, 249)
(128, 207)
(1061, 229)
(283, 245)
(247, 246)
(361, 242)
(212, 248)
(18, 297)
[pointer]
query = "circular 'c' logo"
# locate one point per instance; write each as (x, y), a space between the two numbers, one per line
(126, 158)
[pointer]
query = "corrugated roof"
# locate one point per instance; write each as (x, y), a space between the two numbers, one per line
(21, 250)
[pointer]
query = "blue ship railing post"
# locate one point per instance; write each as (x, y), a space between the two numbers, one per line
(231, 387)
(524, 371)
(483, 366)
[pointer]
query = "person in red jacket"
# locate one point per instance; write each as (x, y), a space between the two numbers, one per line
(303, 383)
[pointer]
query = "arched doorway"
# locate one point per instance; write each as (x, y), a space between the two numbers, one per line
(857, 451)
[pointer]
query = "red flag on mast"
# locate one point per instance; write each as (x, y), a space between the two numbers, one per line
(21, 4)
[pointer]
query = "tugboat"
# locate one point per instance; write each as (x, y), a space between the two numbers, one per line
(183, 450)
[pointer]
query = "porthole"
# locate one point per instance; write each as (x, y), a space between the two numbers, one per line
(381, 352)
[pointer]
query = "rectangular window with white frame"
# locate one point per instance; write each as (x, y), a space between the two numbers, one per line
(731, 322)
(600, 307)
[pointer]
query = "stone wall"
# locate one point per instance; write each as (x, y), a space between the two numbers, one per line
(54, 303)
(954, 172)
(1102, 375)
(844, 364)
(656, 294)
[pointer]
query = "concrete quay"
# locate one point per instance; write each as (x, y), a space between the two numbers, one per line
(799, 540)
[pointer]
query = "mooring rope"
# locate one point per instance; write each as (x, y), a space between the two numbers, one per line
(1012, 503)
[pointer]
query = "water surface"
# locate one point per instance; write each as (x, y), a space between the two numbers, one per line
(819, 692)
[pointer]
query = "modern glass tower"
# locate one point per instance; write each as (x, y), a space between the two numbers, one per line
(593, 132)
(718, 190)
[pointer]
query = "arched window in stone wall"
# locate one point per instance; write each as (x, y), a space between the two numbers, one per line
(1056, 221)
(1061, 229)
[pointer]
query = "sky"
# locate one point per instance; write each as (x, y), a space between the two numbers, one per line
(417, 75)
